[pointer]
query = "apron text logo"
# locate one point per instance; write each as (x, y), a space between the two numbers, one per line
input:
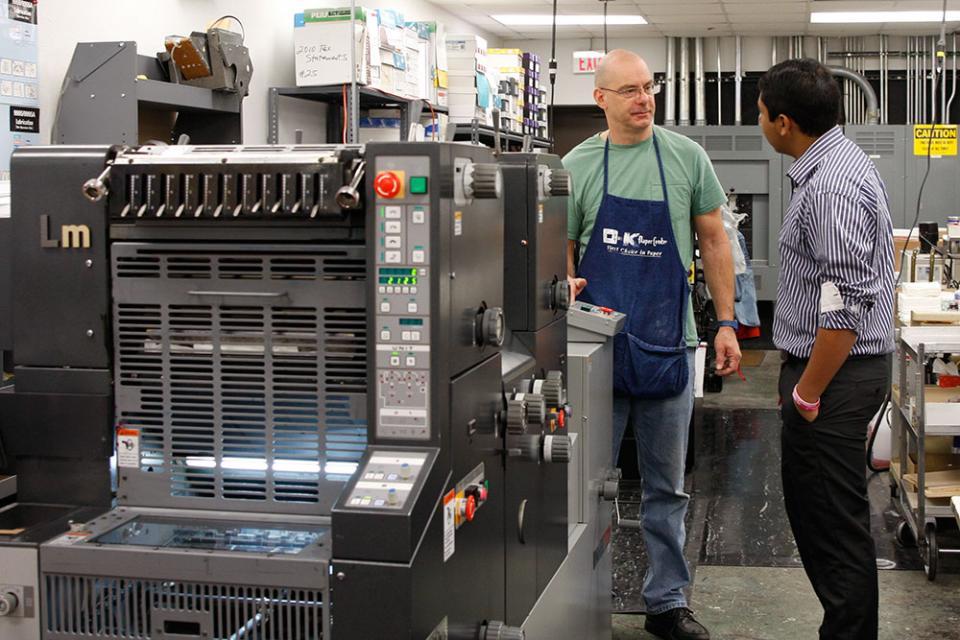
(632, 244)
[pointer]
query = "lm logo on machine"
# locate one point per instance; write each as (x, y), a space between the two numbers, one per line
(72, 236)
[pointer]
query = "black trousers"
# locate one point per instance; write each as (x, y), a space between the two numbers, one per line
(825, 490)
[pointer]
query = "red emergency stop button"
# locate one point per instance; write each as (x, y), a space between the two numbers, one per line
(388, 184)
(468, 508)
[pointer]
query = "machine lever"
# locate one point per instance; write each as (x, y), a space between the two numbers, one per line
(348, 196)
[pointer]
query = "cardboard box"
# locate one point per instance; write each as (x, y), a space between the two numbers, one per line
(322, 39)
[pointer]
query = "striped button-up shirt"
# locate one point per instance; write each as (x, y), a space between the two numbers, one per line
(836, 251)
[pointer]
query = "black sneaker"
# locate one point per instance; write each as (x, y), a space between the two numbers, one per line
(676, 624)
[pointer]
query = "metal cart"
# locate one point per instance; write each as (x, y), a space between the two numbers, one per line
(921, 413)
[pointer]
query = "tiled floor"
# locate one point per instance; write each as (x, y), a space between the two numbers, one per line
(748, 580)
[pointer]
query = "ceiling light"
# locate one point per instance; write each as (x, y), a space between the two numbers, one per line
(529, 20)
(856, 17)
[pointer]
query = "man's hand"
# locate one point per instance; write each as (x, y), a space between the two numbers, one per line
(809, 416)
(727, 350)
(576, 286)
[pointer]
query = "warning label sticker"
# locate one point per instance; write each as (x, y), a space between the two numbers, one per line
(449, 524)
(128, 448)
(940, 139)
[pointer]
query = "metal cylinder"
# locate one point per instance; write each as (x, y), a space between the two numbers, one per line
(684, 82)
(737, 80)
(922, 55)
(719, 86)
(670, 100)
(700, 84)
(908, 85)
(953, 84)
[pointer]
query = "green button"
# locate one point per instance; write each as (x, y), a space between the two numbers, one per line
(418, 184)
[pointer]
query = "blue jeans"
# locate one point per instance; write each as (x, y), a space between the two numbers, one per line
(661, 428)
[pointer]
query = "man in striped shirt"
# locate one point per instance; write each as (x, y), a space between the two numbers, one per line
(833, 323)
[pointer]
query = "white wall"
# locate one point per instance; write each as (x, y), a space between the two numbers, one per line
(269, 36)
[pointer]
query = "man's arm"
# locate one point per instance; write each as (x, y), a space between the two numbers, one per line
(718, 269)
(844, 276)
(576, 284)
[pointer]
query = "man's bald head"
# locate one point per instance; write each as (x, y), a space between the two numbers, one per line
(612, 63)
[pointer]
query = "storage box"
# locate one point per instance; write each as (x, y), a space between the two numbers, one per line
(322, 39)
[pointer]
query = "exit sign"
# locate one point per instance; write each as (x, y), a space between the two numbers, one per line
(586, 61)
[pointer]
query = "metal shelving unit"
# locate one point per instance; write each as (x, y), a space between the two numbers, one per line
(410, 109)
(486, 135)
(916, 418)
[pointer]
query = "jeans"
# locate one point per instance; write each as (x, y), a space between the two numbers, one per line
(661, 428)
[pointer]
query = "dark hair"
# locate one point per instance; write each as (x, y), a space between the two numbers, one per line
(803, 90)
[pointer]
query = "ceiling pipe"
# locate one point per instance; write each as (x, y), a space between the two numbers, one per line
(737, 80)
(670, 99)
(684, 82)
(700, 84)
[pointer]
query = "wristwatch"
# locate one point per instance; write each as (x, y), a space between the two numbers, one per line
(733, 324)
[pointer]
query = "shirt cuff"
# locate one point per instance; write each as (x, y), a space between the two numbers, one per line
(850, 318)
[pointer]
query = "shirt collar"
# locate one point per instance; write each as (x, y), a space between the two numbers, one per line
(807, 164)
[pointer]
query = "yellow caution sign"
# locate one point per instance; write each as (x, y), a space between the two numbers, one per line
(943, 137)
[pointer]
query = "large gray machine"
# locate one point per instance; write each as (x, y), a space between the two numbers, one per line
(297, 353)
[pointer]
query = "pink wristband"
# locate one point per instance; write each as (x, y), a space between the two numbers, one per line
(803, 404)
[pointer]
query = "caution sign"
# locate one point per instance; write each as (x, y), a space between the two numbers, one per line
(943, 137)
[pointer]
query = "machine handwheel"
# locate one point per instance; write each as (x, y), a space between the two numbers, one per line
(904, 535)
(932, 557)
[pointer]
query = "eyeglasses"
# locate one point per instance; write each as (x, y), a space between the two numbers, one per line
(629, 93)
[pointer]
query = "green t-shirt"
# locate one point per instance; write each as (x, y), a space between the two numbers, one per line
(692, 185)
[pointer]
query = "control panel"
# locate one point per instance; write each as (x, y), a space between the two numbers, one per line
(589, 323)
(387, 480)
(401, 186)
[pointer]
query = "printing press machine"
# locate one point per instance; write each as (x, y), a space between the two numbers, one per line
(331, 416)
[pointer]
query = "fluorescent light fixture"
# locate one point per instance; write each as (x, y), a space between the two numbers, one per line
(259, 464)
(201, 462)
(859, 17)
(297, 466)
(341, 468)
(246, 464)
(545, 19)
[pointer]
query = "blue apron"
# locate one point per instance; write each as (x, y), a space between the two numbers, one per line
(632, 264)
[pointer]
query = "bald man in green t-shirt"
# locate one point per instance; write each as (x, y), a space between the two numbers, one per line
(639, 193)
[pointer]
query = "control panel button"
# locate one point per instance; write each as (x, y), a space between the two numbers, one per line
(418, 184)
(392, 226)
(393, 242)
(393, 257)
(405, 336)
(393, 213)
(382, 289)
(468, 508)
(391, 289)
(418, 256)
(388, 184)
(405, 290)
(394, 361)
(384, 335)
(418, 216)
(385, 307)
(415, 335)
(411, 361)
(411, 307)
